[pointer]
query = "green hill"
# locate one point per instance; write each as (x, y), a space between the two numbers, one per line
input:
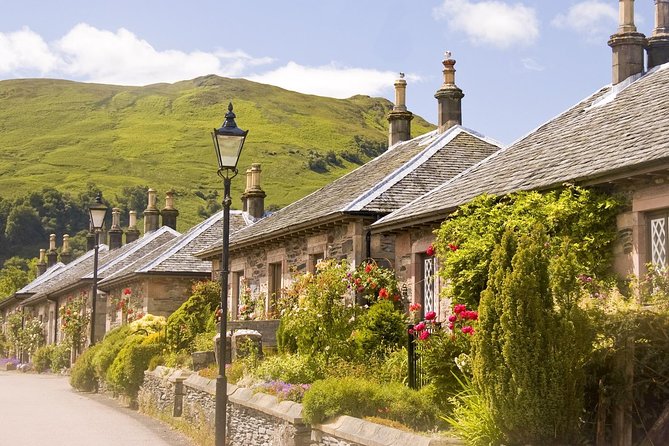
(66, 135)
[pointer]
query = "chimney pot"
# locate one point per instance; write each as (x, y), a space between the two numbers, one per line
(169, 214)
(658, 43)
(627, 45)
(254, 195)
(151, 213)
(399, 118)
(41, 263)
(132, 233)
(52, 255)
(66, 252)
(449, 97)
(115, 232)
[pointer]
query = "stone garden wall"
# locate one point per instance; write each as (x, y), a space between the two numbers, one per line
(257, 419)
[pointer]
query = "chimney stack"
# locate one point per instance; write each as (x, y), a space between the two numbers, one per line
(449, 97)
(399, 118)
(151, 214)
(66, 252)
(658, 43)
(115, 232)
(169, 214)
(52, 255)
(245, 207)
(41, 263)
(132, 232)
(627, 45)
(255, 196)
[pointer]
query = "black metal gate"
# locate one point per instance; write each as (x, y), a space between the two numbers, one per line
(417, 376)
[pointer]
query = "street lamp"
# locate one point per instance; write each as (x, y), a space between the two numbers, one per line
(97, 212)
(228, 143)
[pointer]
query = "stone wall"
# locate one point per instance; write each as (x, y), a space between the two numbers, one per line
(257, 419)
(266, 328)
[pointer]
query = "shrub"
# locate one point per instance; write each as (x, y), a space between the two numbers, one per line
(60, 357)
(194, 316)
(42, 358)
(126, 373)
(82, 375)
(109, 348)
(293, 369)
(359, 397)
(204, 342)
(382, 328)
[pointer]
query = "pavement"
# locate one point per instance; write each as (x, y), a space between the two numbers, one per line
(38, 410)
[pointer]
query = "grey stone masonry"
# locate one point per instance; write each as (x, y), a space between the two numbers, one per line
(258, 419)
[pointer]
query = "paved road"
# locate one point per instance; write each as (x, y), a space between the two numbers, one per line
(38, 410)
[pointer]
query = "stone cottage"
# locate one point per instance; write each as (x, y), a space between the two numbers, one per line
(333, 221)
(617, 140)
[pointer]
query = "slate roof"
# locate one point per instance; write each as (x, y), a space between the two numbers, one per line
(81, 268)
(33, 286)
(384, 184)
(618, 128)
(176, 256)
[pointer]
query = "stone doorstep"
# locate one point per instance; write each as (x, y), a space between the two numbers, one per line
(371, 434)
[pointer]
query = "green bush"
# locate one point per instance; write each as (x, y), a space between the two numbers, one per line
(126, 373)
(204, 342)
(294, 369)
(109, 348)
(381, 329)
(82, 375)
(194, 316)
(60, 357)
(285, 339)
(41, 359)
(359, 397)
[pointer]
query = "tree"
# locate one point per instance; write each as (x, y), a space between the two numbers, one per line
(532, 342)
(24, 226)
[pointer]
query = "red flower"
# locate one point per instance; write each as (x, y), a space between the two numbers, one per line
(430, 315)
(452, 247)
(396, 297)
(430, 251)
(357, 280)
(411, 331)
(470, 315)
(459, 308)
(368, 268)
(424, 335)
(383, 293)
(419, 327)
(127, 291)
(451, 326)
(414, 307)
(452, 318)
(468, 329)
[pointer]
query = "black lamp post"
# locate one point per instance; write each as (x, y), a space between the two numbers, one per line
(98, 212)
(228, 142)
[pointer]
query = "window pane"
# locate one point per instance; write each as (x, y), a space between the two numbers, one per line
(658, 238)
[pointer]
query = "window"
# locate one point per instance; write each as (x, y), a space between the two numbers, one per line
(429, 291)
(658, 239)
(274, 285)
(238, 286)
(313, 261)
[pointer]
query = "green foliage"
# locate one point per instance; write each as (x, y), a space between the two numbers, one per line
(15, 274)
(381, 328)
(108, 349)
(60, 357)
(193, 316)
(82, 375)
(465, 242)
(359, 397)
(532, 341)
(318, 316)
(42, 358)
(294, 369)
(204, 342)
(126, 373)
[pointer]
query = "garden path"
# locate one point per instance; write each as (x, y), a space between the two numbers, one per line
(44, 410)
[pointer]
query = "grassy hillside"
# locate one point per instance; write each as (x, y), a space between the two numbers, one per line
(67, 134)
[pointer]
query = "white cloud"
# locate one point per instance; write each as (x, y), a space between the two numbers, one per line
(491, 22)
(23, 51)
(592, 18)
(92, 55)
(532, 65)
(330, 80)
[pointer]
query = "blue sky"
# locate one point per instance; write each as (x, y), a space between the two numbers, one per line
(519, 63)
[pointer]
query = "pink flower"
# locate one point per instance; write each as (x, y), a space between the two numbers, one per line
(459, 308)
(411, 331)
(419, 327)
(451, 326)
(468, 330)
(430, 251)
(452, 247)
(430, 315)
(424, 335)
(452, 318)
